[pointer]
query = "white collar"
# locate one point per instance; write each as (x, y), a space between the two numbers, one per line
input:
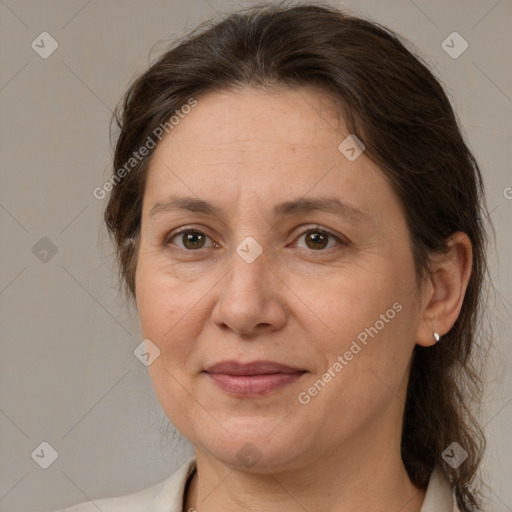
(438, 498)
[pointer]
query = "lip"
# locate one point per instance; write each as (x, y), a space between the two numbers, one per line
(255, 378)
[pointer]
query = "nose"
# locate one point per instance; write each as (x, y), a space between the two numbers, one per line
(250, 300)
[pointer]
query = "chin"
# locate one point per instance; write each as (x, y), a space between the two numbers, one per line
(256, 447)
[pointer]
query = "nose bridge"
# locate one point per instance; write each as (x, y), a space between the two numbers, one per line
(249, 266)
(250, 257)
(248, 298)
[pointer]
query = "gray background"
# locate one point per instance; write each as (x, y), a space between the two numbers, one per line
(68, 373)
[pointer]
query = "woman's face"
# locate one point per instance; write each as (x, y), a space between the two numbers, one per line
(262, 240)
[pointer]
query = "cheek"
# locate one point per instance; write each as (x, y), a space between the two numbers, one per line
(371, 315)
(169, 319)
(169, 312)
(369, 362)
(350, 300)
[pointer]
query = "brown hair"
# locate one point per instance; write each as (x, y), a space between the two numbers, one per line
(395, 105)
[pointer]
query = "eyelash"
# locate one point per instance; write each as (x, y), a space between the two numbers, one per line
(311, 229)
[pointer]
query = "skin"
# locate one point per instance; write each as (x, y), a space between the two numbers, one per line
(298, 303)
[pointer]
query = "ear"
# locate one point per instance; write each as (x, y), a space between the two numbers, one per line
(443, 292)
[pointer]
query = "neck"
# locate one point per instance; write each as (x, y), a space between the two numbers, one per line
(362, 477)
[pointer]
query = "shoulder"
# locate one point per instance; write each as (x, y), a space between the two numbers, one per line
(155, 498)
(439, 496)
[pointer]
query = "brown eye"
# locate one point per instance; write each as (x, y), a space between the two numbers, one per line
(193, 240)
(316, 240)
(190, 240)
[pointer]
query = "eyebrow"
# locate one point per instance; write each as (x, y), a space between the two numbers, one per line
(332, 205)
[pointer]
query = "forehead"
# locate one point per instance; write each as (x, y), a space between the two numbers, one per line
(259, 121)
(272, 144)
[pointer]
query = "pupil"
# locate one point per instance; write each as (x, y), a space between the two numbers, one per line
(319, 239)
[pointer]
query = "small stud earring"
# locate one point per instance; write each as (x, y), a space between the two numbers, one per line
(436, 336)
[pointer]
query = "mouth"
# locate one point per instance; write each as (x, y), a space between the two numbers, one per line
(252, 379)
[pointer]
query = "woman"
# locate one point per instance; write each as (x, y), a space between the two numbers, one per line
(299, 221)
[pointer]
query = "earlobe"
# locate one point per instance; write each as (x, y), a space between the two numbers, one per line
(444, 293)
